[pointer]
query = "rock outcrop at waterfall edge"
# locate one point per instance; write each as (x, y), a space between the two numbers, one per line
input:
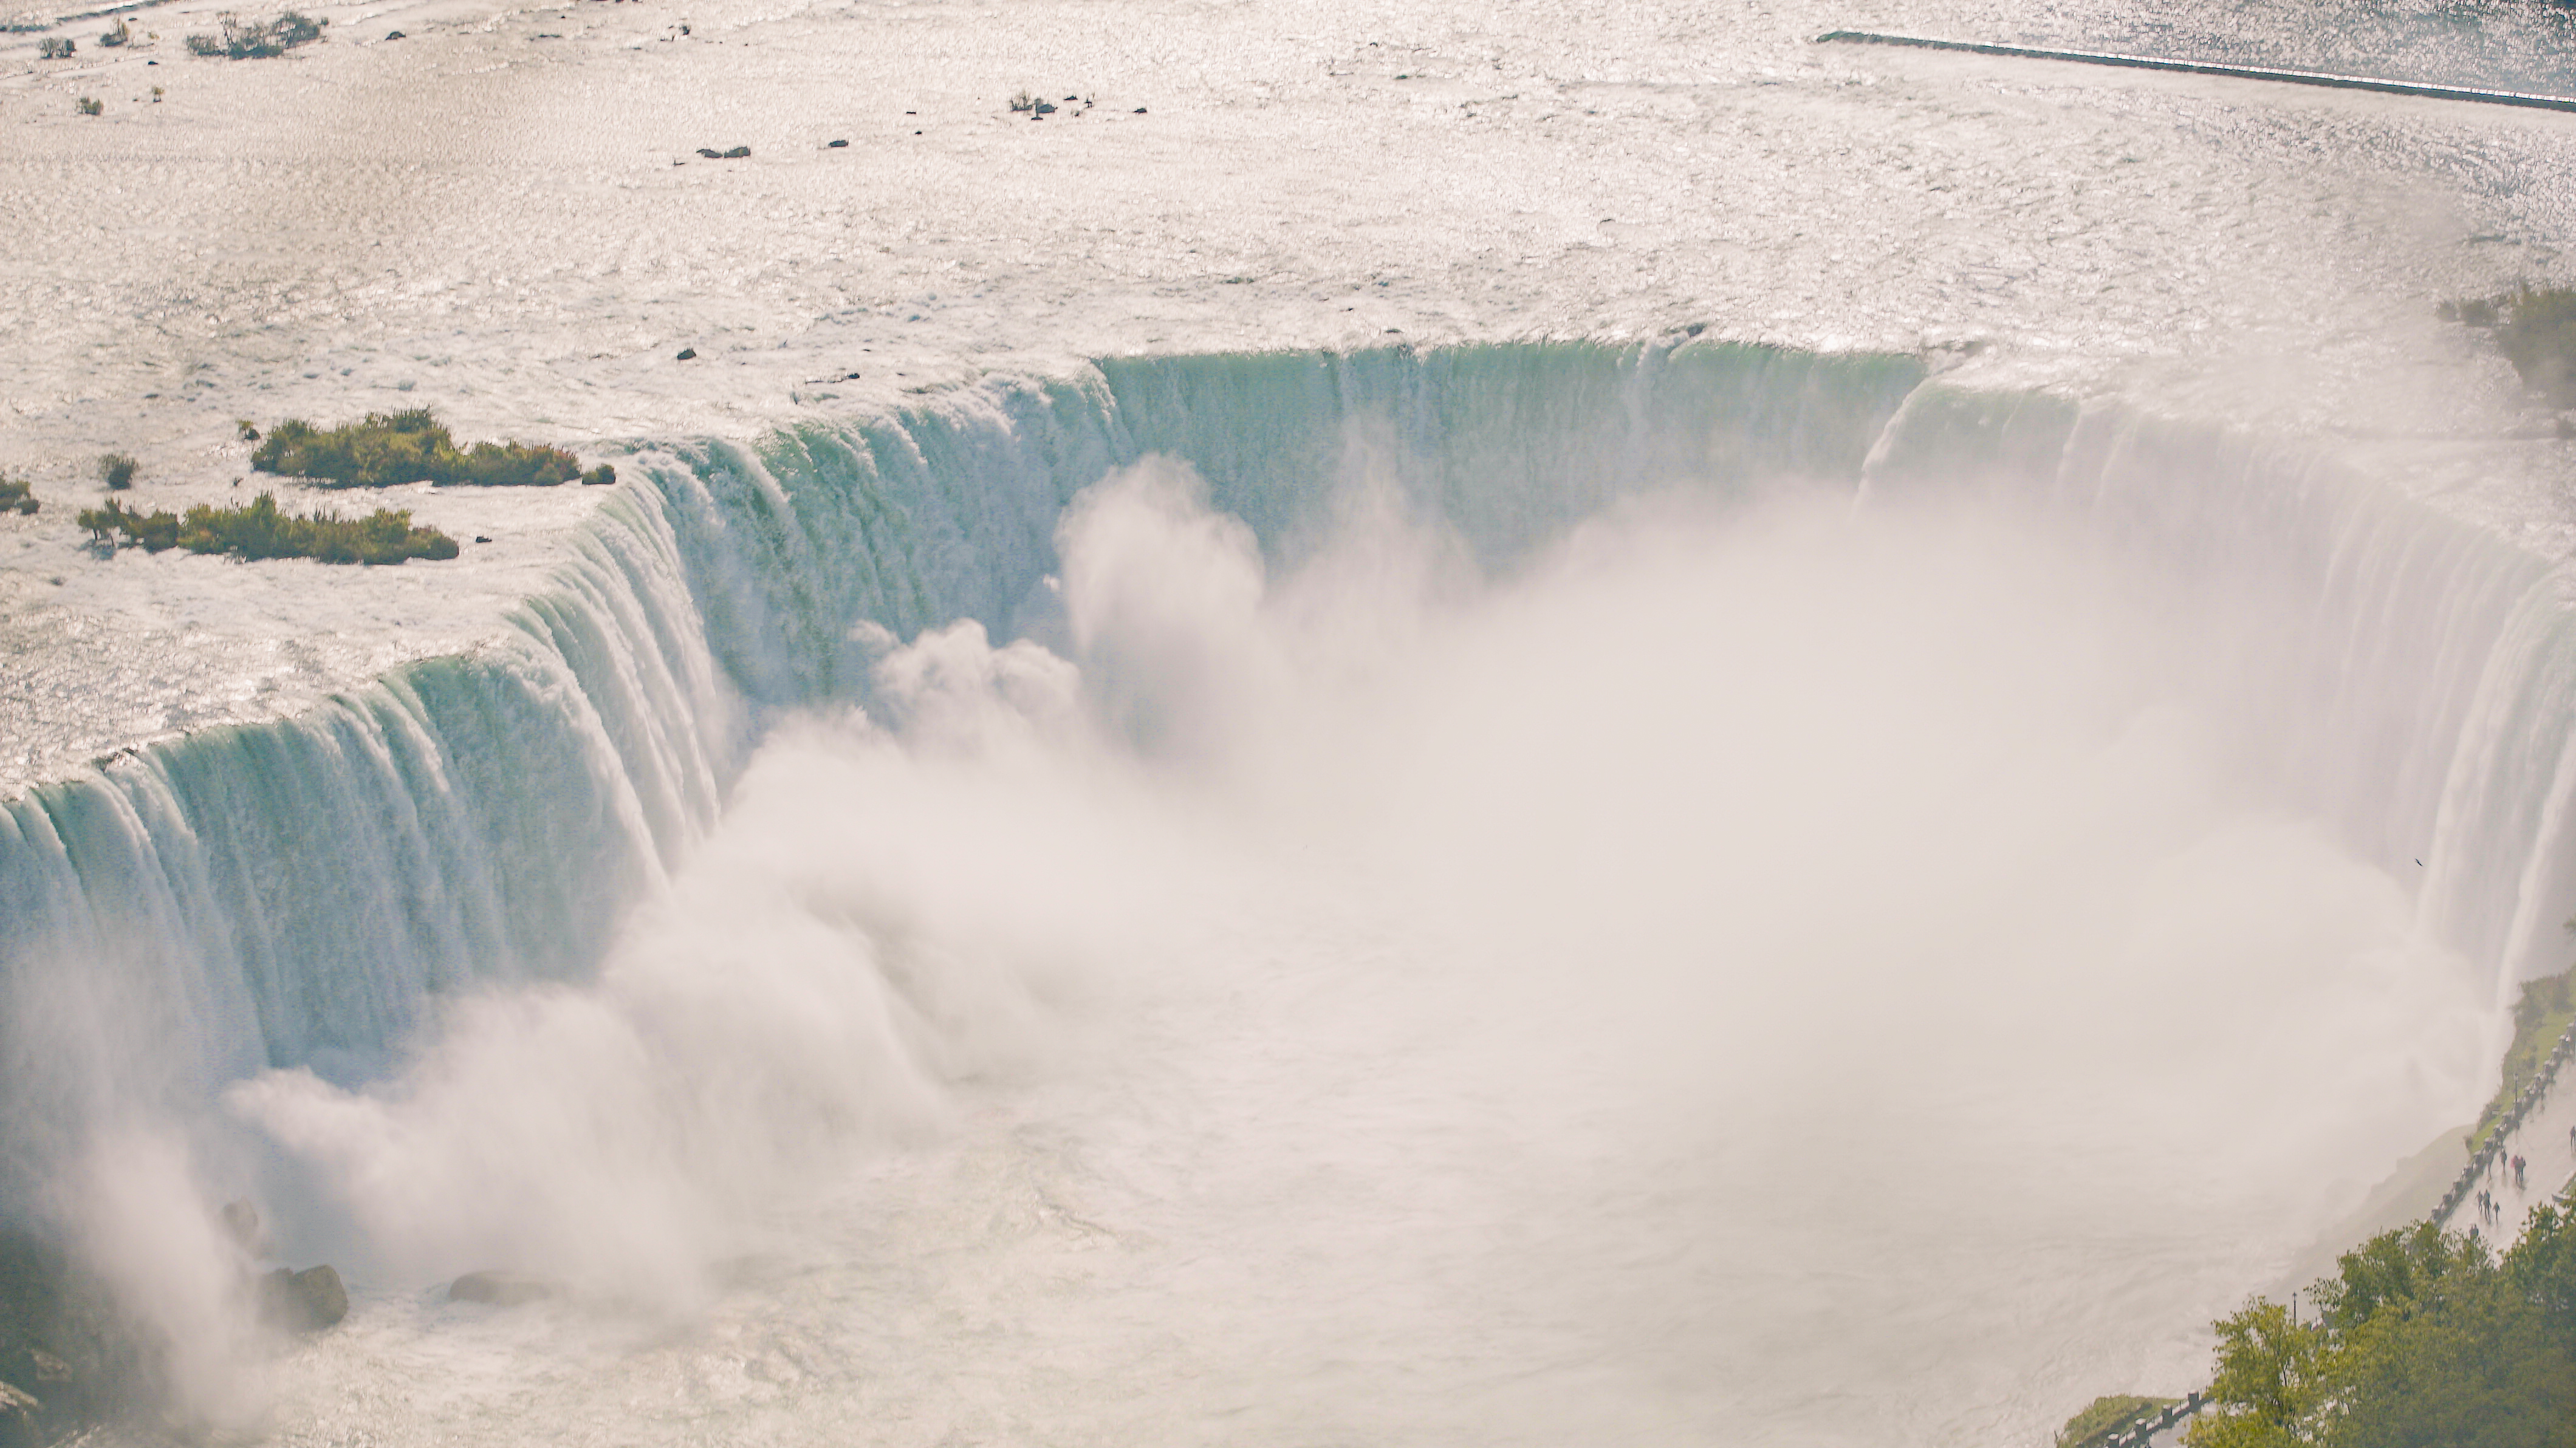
(69, 1359)
(64, 1361)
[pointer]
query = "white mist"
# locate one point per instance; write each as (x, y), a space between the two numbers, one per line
(1759, 974)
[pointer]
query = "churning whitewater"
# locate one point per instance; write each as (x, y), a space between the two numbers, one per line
(1516, 895)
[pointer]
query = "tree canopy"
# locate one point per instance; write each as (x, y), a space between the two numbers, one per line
(2422, 1339)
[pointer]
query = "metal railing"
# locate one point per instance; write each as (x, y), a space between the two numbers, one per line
(2523, 1102)
(2141, 1430)
(2203, 67)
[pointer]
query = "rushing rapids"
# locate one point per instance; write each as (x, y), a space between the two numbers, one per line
(337, 892)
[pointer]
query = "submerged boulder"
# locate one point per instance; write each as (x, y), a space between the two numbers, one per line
(241, 1223)
(503, 1289)
(306, 1301)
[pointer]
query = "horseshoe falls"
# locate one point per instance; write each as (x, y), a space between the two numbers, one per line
(1521, 893)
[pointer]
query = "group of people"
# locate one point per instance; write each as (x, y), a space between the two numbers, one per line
(2491, 1211)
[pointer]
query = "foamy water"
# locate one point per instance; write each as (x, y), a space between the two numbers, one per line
(1747, 978)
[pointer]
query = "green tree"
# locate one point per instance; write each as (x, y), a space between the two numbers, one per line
(2422, 1340)
(2271, 1381)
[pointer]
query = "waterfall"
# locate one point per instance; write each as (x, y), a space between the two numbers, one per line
(305, 892)
(2421, 702)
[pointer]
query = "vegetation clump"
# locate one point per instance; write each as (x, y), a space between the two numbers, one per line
(116, 470)
(116, 36)
(2105, 1418)
(260, 530)
(16, 495)
(2423, 1337)
(404, 447)
(54, 47)
(89, 105)
(257, 39)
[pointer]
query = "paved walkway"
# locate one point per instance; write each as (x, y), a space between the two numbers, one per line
(2548, 1149)
(2545, 1140)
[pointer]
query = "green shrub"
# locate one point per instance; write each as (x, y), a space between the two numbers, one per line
(55, 47)
(404, 447)
(259, 530)
(507, 465)
(257, 39)
(116, 470)
(101, 522)
(16, 495)
(89, 105)
(153, 532)
(116, 36)
(599, 477)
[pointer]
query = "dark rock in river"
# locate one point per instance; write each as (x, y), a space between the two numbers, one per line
(61, 1340)
(306, 1301)
(503, 1289)
(22, 1418)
